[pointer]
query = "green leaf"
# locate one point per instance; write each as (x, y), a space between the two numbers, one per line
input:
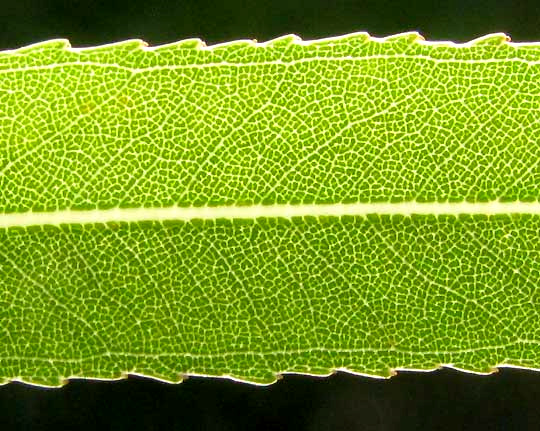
(252, 209)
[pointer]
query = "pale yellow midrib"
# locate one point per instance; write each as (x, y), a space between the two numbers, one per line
(26, 219)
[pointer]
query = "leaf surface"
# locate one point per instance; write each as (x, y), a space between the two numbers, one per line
(252, 209)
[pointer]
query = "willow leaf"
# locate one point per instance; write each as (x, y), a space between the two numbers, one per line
(253, 209)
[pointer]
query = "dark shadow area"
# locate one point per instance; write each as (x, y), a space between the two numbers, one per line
(88, 23)
(444, 399)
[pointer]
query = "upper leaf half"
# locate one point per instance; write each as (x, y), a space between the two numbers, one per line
(346, 119)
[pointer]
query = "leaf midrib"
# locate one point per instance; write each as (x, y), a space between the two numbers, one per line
(67, 216)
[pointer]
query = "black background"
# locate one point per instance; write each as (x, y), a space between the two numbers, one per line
(445, 399)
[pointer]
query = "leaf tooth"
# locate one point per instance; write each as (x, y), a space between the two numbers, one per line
(406, 38)
(494, 39)
(283, 41)
(122, 47)
(48, 45)
(192, 43)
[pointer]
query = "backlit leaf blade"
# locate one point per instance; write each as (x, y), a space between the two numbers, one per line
(339, 140)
